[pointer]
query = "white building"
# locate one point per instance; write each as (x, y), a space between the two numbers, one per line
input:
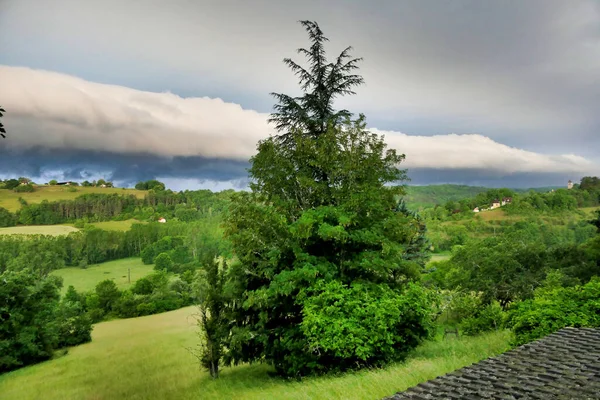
(570, 184)
(162, 220)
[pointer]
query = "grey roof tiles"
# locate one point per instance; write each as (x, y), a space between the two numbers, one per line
(563, 365)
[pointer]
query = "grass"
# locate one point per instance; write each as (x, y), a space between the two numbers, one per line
(88, 278)
(114, 225)
(54, 230)
(10, 199)
(146, 358)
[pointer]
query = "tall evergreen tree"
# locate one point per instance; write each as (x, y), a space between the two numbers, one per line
(326, 257)
(322, 82)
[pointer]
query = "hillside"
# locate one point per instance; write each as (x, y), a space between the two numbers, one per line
(10, 199)
(146, 358)
(431, 195)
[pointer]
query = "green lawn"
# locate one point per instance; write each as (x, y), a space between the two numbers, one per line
(88, 278)
(10, 199)
(54, 230)
(146, 358)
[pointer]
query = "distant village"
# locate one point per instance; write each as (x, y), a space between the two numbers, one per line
(507, 200)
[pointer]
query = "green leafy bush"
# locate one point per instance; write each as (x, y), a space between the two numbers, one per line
(28, 188)
(490, 317)
(163, 262)
(363, 324)
(554, 309)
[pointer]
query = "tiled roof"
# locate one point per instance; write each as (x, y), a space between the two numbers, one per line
(563, 365)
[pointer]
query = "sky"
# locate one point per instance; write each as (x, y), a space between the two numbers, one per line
(494, 93)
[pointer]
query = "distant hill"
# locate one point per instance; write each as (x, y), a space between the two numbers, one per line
(430, 195)
(10, 199)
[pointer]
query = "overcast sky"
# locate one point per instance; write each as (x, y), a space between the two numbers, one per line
(499, 93)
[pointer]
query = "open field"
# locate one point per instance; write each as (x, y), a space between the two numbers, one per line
(54, 230)
(114, 225)
(146, 358)
(88, 278)
(10, 199)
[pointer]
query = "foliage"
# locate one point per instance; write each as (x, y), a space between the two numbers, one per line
(152, 184)
(107, 294)
(504, 268)
(33, 323)
(363, 324)
(320, 215)
(163, 262)
(313, 112)
(211, 300)
(490, 317)
(7, 218)
(554, 309)
(28, 188)
(27, 310)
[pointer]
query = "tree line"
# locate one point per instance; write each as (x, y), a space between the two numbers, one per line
(95, 207)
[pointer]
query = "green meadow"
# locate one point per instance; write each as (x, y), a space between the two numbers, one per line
(87, 279)
(147, 358)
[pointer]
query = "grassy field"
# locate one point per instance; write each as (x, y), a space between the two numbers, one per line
(54, 230)
(10, 199)
(146, 358)
(87, 279)
(114, 225)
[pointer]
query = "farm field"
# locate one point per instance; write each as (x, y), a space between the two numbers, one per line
(10, 199)
(54, 230)
(146, 358)
(88, 278)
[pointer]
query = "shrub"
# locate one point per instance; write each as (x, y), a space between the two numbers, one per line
(490, 317)
(163, 262)
(79, 224)
(142, 286)
(28, 332)
(28, 188)
(360, 325)
(75, 327)
(552, 310)
(108, 295)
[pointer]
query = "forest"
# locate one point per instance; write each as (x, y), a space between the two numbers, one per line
(323, 266)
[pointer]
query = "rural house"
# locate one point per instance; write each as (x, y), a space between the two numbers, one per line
(162, 220)
(495, 204)
(506, 200)
(563, 365)
(570, 184)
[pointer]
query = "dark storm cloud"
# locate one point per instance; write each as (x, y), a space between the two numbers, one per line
(126, 168)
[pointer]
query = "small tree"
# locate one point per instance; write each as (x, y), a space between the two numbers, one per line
(163, 262)
(52, 182)
(209, 288)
